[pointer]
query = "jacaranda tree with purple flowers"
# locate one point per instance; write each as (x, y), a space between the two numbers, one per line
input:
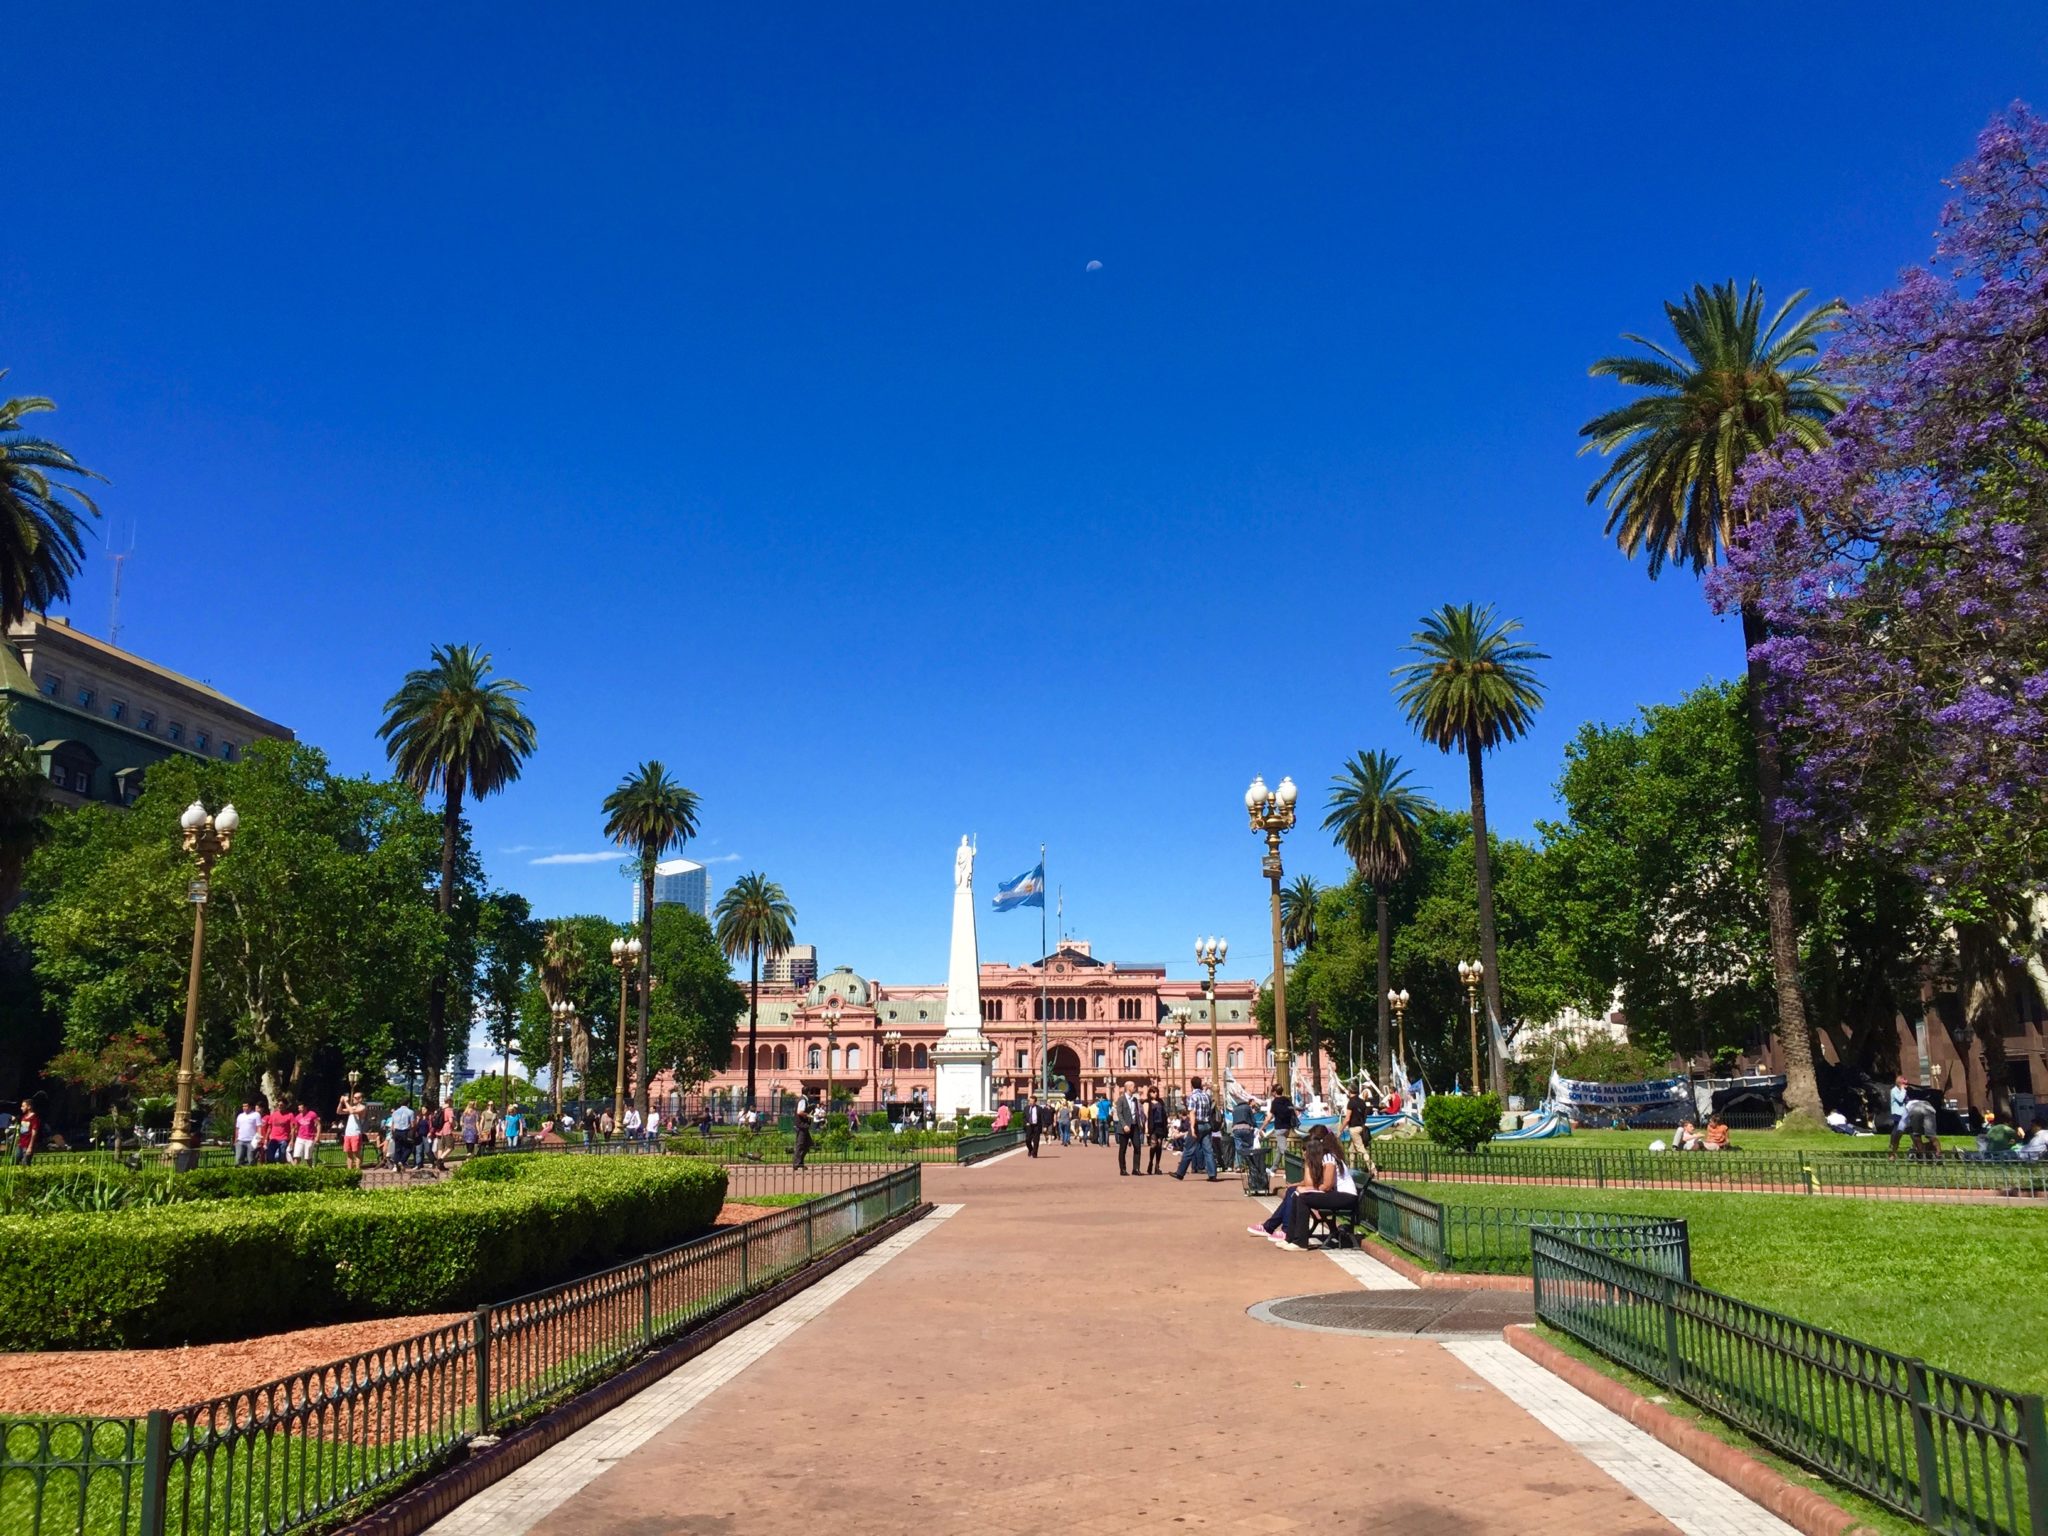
(1901, 571)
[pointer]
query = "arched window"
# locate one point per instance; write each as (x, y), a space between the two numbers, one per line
(782, 1058)
(1130, 1054)
(739, 1059)
(1236, 1055)
(1269, 1058)
(921, 1060)
(853, 1058)
(835, 1058)
(761, 1058)
(1202, 1057)
(814, 1059)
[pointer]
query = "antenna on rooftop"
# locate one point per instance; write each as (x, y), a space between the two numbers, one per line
(120, 558)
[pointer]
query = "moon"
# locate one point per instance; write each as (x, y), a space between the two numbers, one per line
(1093, 266)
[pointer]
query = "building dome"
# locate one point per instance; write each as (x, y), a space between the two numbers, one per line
(851, 989)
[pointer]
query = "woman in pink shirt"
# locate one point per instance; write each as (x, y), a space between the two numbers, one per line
(305, 1134)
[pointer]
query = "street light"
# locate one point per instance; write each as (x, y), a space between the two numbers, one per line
(1210, 953)
(1471, 973)
(1175, 1035)
(831, 1042)
(564, 1013)
(625, 956)
(1272, 812)
(890, 1043)
(206, 839)
(1398, 1000)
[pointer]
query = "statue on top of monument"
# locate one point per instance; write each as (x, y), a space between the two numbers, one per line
(963, 866)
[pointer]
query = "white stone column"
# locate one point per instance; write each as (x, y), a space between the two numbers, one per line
(963, 1058)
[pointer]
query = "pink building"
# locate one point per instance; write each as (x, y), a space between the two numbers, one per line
(1103, 1023)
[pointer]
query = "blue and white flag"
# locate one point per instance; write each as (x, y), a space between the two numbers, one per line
(1027, 890)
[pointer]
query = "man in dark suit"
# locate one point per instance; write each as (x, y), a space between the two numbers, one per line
(1034, 1123)
(1128, 1115)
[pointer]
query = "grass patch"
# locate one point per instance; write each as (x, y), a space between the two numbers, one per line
(776, 1200)
(1952, 1284)
(1744, 1141)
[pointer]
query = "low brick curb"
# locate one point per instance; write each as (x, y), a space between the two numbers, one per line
(1440, 1279)
(442, 1493)
(1801, 1508)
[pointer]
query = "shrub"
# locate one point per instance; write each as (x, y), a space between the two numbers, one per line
(978, 1125)
(878, 1121)
(203, 1270)
(107, 1186)
(1461, 1121)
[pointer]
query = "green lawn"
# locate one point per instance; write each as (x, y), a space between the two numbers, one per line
(1957, 1285)
(1745, 1141)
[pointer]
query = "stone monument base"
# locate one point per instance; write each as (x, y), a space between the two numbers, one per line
(966, 1073)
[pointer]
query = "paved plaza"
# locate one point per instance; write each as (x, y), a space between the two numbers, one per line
(1062, 1349)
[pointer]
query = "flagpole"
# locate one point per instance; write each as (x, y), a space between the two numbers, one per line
(1044, 1040)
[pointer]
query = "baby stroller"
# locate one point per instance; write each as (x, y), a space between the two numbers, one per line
(1251, 1157)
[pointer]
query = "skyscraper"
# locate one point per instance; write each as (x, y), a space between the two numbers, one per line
(678, 882)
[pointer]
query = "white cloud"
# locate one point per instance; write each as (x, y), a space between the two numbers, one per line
(722, 858)
(519, 848)
(608, 856)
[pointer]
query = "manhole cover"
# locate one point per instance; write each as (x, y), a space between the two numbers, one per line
(1437, 1313)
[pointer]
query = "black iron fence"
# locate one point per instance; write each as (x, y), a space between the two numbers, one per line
(1785, 1173)
(1496, 1239)
(975, 1149)
(1961, 1456)
(298, 1451)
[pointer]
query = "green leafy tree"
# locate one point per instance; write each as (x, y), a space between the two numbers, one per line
(1298, 903)
(574, 964)
(40, 512)
(1473, 690)
(496, 1089)
(1738, 386)
(509, 941)
(649, 813)
(695, 1010)
(322, 934)
(754, 918)
(1372, 814)
(454, 728)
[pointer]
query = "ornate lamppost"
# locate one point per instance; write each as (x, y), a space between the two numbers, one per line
(206, 839)
(564, 1013)
(625, 959)
(1210, 953)
(1272, 812)
(1397, 999)
(1471, 973)
(1175, 1035)
(892, 1044)
(831, 1044)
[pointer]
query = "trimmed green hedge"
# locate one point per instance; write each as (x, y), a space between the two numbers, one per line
(75, 1186)
(1461, 1120)
(201, 1271)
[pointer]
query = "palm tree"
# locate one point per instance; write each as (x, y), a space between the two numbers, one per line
(1473, 690)
(40, 547)
(561, 970)
(455, 728)
(1298, 932)
(650, 813)
(1374, 815)
(1742, 386)
(754, 918)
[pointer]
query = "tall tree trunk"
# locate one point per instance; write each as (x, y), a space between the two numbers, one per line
(1384, 1075)
(437, 1002)
(1795, 1036)
(505, 1087)
(1990, 1004)
(646, 961)
(1489, 945)
(753, 1018)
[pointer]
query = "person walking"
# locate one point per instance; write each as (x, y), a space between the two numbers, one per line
(1034, 1123)
(472, 1130)
(487, 1127)
(306, 1135)
(515, 1126)
(28, 1135)
(803, 1133)
(1201, 1114)
(1356, 1131)
(1064, 1123)
(398, 1134)
(277, 1134)
(1130, 1130)
(1900, 1098)
(248, 1129)
(1155, 1130)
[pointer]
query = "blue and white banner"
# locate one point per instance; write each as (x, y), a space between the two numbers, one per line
(1027, 890)
(1618, 1098)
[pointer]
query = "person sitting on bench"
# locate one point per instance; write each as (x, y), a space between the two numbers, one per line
(1326, 1185)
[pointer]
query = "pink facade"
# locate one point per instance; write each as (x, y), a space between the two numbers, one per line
(1103, 1023)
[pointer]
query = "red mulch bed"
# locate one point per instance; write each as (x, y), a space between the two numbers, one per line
(126, 1382)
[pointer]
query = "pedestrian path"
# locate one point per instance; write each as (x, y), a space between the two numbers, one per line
(1073, 1350)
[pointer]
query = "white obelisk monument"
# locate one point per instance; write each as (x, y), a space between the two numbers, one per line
(964, 1058)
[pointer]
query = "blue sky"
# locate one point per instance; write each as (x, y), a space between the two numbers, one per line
(736, 375)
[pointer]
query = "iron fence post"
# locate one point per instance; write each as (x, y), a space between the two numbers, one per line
(480, 1352)
(1674, 1364)
(810, 1233)
(156, 1471)
(1599, 1170)
(647, 1302)
(1536, 1272)
(1922, 1403)
(2034, 1449)
(746, 1254)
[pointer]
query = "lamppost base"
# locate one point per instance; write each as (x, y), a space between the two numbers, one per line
(183, 1158)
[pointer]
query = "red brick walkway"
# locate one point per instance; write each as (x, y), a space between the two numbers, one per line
(1071, 1352)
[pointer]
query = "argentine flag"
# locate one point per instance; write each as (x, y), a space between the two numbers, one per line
(1027, 890)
